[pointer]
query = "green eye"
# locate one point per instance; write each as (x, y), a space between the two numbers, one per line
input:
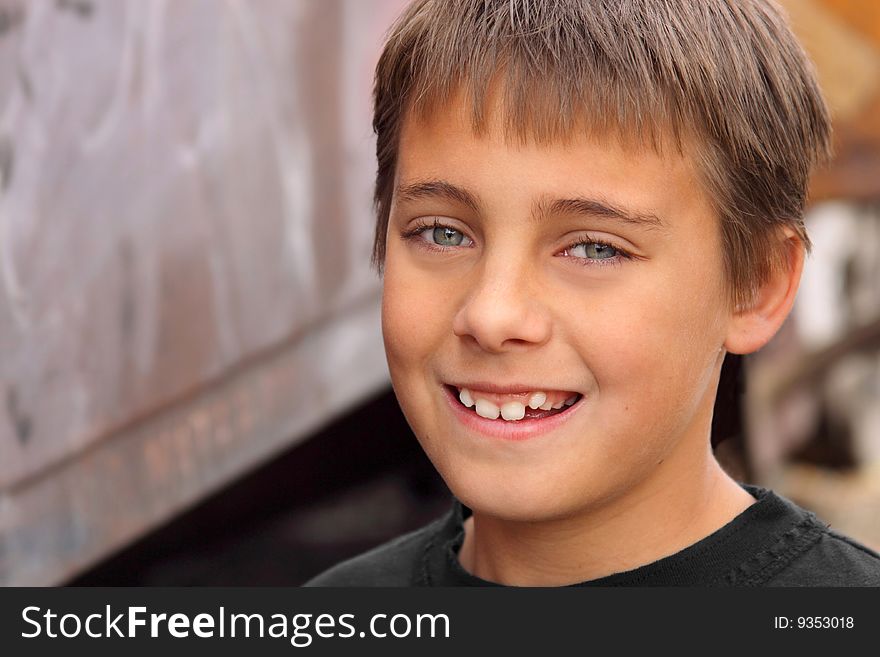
(598, 250)
(596, 253)
(443, 233)
(443, 237)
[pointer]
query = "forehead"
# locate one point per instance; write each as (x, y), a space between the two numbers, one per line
(443, 146)
(496, 112)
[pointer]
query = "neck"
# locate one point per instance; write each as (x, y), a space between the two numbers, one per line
(679, 504)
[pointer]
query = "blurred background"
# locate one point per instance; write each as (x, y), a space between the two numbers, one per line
(193, 388)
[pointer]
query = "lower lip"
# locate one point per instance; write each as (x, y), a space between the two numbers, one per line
(509, 429)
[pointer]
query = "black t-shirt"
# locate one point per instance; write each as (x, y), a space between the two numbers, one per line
(773, 542)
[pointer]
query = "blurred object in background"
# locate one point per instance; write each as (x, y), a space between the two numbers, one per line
(360, 481)
(185, 236)
(813, 405)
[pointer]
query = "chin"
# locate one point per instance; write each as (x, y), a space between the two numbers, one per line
(513, 499)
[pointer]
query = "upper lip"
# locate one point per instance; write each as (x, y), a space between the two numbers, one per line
(507, 389)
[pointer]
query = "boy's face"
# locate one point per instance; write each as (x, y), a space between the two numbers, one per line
(511, 301)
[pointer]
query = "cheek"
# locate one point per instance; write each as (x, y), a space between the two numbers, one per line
(398, 342)
(652, 369)
(656, 351)
(412, 320)
(415, 327)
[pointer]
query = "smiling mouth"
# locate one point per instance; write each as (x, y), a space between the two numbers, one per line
(530, 413)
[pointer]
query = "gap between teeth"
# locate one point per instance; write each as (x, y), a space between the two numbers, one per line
(512, 410)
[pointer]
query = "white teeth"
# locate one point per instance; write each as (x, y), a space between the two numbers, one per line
(537, 399)
(465, 397)
(513, 411)
(487, 409)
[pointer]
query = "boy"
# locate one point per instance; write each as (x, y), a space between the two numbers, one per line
(582, 207)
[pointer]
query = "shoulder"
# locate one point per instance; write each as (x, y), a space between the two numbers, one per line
(833, 559)
(799, 549)
(395, 563)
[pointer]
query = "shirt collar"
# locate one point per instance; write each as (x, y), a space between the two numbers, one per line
(732, 553)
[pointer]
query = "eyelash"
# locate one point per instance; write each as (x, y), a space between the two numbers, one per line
(411, 235)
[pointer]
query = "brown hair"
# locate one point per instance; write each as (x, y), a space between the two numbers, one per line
(725, 75)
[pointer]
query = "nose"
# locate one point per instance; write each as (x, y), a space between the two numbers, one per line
(503, 309)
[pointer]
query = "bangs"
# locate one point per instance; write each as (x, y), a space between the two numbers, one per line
(548, 83)
(529, 108)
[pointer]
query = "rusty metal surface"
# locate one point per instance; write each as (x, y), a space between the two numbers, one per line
(118, 489)
(186, 187)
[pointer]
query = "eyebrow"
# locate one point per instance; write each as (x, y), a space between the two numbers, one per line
(594, 207)
(578, 206)
(438, 189)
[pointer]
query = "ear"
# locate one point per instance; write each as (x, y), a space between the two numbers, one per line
(752, 327)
